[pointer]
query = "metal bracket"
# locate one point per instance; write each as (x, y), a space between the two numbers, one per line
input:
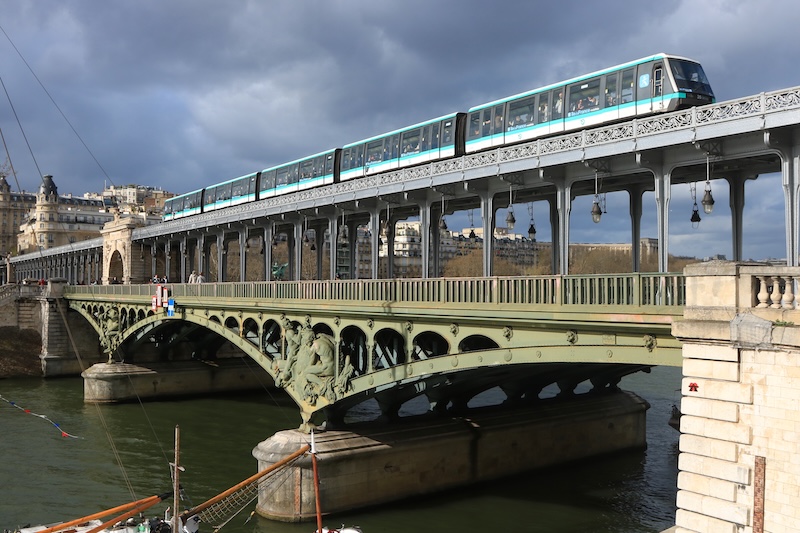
(713, 148)
(515, 178)
(445, 190)
(601, 166)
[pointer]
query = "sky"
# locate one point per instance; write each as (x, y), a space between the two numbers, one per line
(187, 93)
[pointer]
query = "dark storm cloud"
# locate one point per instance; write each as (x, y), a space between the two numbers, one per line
(183, 94)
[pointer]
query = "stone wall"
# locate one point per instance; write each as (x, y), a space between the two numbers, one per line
(740, 430)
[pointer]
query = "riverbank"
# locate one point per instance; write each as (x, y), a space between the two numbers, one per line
(19, 353)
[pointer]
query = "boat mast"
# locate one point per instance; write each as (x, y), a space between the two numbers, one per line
(176, 521)
(316, 482)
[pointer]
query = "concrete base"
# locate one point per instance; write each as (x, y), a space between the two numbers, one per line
(394, 462)
(53, 366)
(122, 382)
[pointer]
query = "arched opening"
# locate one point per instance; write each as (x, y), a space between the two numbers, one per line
(116, 270)
(390, 349)
(354, 346)
(475, 343)
(429, 344)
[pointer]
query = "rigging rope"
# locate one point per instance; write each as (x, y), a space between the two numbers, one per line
(117, 456)
(43, 417)
(56, 106)
(220, 513)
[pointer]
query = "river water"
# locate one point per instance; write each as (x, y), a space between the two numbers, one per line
(45, 477)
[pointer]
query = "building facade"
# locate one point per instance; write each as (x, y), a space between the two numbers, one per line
(14, 210)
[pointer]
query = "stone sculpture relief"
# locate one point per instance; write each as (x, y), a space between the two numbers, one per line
(109, 321)
(310, 365)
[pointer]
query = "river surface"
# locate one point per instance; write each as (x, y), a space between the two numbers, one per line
(45, 477)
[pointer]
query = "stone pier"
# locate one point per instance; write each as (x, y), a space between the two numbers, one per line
(123, 382)
(372, 465)
(739, 466)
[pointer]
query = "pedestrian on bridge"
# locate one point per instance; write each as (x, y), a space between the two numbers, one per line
(200, 278)
(193, 277)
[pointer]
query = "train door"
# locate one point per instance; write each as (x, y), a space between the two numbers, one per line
(627, 94)
(486, 128)
(611, 96)
(650, 88)
(498, 125)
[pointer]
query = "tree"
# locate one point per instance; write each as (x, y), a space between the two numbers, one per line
(470, 265)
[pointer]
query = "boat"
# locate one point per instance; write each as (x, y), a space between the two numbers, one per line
(215, 512)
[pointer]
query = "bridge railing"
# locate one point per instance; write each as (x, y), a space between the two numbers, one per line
(633, 289)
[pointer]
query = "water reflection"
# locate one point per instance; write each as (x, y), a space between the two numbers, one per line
(53, 478)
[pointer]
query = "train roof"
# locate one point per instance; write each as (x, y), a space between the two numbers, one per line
(600, 72)
(249, 175)
(184, 194)
(399, 130)
(326, 152)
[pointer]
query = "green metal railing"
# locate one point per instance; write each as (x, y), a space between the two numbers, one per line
(635, 289)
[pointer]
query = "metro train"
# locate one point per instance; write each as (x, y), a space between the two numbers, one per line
(654, 84)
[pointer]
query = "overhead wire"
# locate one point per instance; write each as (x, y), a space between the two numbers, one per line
(56, 106)
(82, 365)
(117, 356)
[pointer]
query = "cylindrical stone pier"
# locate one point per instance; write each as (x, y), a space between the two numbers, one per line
(389, 463)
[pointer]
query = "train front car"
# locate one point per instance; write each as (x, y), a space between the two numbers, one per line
(654, 84)
(689, 82)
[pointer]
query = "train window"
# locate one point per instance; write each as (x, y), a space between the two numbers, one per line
(626, 94)
(543, 110)
(345, 162)
(520, 113)
(293, 173)
(282, 176)
(690, 76)
(499, 124)
(224, 192)
(392, 150)
(410, 142)
(448, 127)
(424, 141)
(329, 164)
(611, 90)
(211, 195)
(360, 155)
(307, 169)
(584, 97)
(435, 135)
(486, 122)
(238, 188)
(474, 125)
(267, 180)
(375, 151)
(558, 104)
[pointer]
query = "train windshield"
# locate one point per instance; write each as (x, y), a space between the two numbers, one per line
(690, 77)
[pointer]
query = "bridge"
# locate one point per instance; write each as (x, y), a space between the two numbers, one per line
(331, 343)
(334, 344)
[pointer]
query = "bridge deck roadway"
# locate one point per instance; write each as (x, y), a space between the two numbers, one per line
(448, 339)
